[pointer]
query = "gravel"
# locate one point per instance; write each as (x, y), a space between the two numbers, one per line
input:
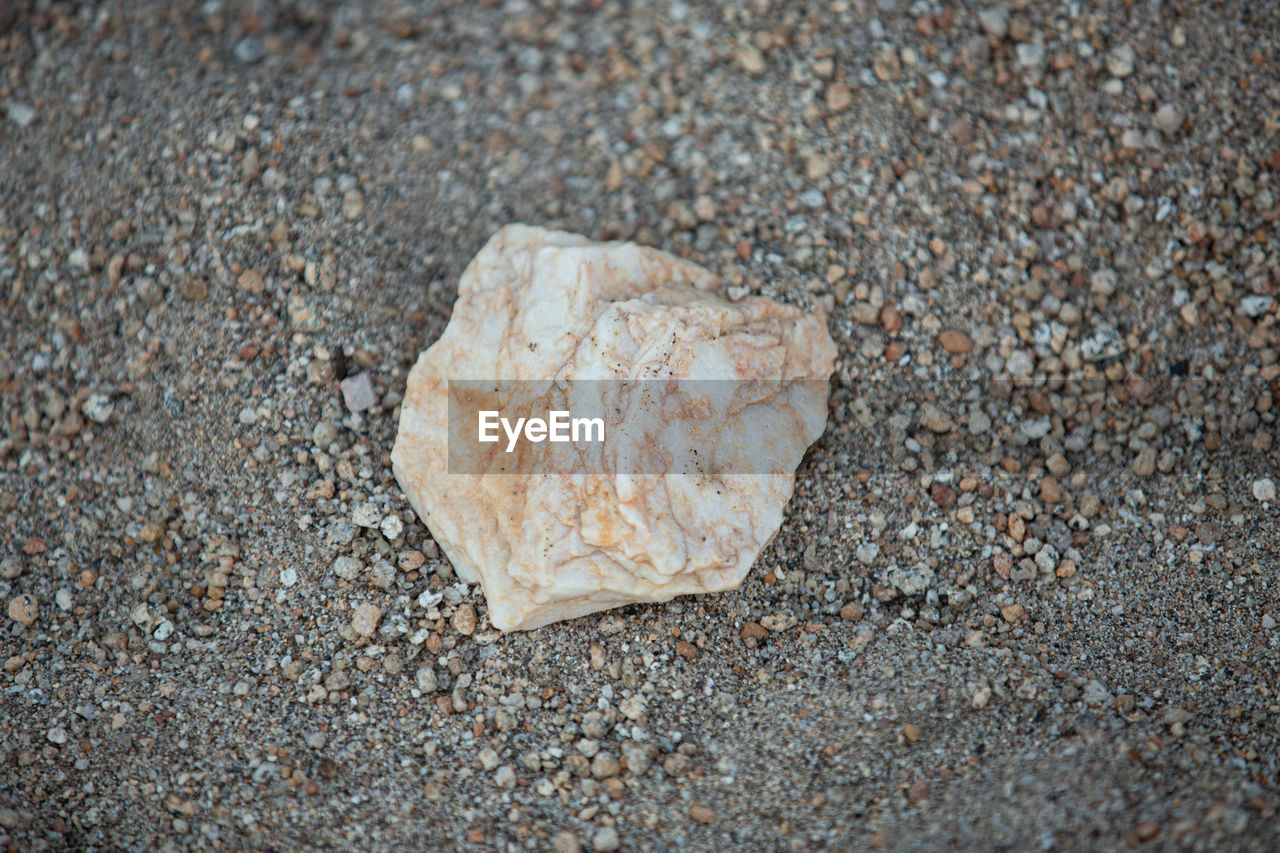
(1024, 595)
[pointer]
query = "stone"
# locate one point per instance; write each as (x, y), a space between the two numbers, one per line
(540, 305)
(1167, 118)
(249, 50)
(702, 813)
(1144, 465)
(1264, 490)
(464, 620)
(1255, 305)
(934, 419)
(357, 392)
(98, 408)
(637, 758)
(911, 580)
(839, 97)
(366, 515)
(955, 342)
(752, 59)
(24, 608)
(994, 21)
(365, 619)
(252, 281)
(566, 842)
(391, 527)
(21, 114)
(605, 840)
(1120, 60)
(347, 568)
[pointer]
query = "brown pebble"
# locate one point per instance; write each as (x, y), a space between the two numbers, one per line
(839, 97)
(365, 619)
(1147, 830)
(321, 490)
(1012, 612)
(464, 619)
(918, 792)
(894, 350)
(1050, 491)
(24, 608)
(890, 317)
(1145, 463)
(34, 545)
(251, 280)
(911, 732)
(954, 341)
(686, 649)
(943, 495)
(702, 814)
(411, 560)
(851, 612)
(753, 631)
(115, 269)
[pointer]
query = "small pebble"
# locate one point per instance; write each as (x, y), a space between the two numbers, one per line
(1120, 60)
(365, 619)
(24, 608)
(357, 392)
(605, 840)
(464, 619)
(1167, 118)
(1264, 490)
(98, 408)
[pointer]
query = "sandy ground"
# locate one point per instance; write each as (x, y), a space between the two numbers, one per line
(1025, 594)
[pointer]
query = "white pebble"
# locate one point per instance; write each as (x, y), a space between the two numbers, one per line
(366, 515)
(392, 527)
(1264, 490)
(98, 408)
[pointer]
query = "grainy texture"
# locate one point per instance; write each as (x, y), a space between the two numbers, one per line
(998, 613)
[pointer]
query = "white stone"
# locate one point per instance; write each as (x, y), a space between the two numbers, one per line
(366, 515)
(357, 392)
(21, 114)
(392, 527)
(1120, 60)
(539, 304)
(1167, 118)
(98, 408)
(347, 568)
(1264, 490)
(995, 21)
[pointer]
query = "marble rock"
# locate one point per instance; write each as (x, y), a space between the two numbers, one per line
(536, 304)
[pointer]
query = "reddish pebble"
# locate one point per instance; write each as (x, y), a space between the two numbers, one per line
(890, 318)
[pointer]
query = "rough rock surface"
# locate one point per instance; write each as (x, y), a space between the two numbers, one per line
(539, 304)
